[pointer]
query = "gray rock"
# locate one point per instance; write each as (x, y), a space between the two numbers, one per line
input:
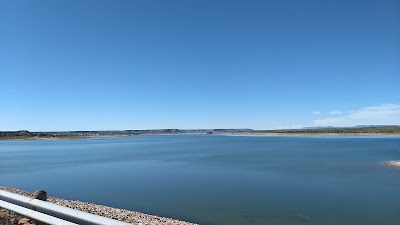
(40, 194)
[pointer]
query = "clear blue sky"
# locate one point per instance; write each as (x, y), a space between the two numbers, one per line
(101, 65)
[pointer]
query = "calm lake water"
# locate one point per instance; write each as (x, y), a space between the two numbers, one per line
(216, 179)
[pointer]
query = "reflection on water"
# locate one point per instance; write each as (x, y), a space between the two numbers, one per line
(214, 179)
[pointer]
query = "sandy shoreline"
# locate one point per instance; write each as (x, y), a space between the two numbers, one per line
(113, 213)
(313, 134)
(393, 163)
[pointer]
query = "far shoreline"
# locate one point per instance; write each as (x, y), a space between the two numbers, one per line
(60, 138)
(364, 131)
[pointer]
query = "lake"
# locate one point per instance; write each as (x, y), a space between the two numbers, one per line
(218, 179)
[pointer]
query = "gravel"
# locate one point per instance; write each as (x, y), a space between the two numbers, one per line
(105, 211)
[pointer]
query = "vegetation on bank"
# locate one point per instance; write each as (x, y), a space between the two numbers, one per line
(24, 134)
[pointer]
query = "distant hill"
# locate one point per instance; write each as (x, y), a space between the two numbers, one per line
(366, 126)
(309, 128)
(357, 126)
(362, 129)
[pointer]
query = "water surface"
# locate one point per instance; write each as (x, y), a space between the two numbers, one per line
(216, 179)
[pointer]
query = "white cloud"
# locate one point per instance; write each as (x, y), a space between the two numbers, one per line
(335, 112)
(316, 113)
(377, 112)
(385, 114)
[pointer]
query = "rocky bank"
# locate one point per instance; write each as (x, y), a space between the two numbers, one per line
(8, 218)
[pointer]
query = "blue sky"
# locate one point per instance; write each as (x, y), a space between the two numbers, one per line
(101, 65)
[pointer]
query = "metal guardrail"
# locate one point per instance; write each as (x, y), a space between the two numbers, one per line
(33, 214)
(50, 213)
